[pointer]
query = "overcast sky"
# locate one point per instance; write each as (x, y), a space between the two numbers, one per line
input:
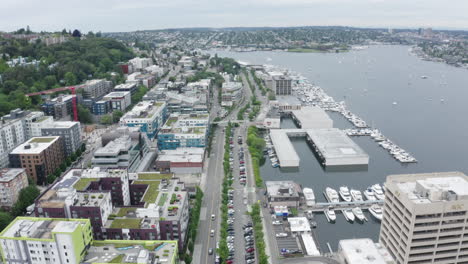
(130, 15)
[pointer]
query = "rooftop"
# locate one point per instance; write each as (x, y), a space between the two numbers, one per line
(8, 174)
(131, 251)
(432, 187)
(117, 94)
(312, 117)
(282, 188)
(299, 224)
(336, 147)
(35, 145)
(186, 124)
(145, 109)
(363, 251)
(63, 124)
(40, 228)
(114, 147)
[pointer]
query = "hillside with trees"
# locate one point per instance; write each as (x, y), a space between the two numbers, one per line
(63, 64)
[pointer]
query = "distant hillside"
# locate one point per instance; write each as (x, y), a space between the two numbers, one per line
(63, 64)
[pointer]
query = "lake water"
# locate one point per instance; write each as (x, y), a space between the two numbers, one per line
(429, 120)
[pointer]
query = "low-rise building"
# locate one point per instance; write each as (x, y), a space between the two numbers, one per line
(39, 156)
(118, 100)
(140, 63)
(363, 251)
(32, 240)
(126, 151)
(148, 116)
(283, 193)
(101, 107)
(181, 160)
(231, 93)
(12, 181)
(184, 131)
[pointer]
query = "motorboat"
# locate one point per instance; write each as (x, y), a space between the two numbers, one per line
(369, 194)
(309, 196)
(344, 193)
(330, 214)
(332, 195)
(376, 211)
(356, 195)
(359, 214)
(348, 214)
(378, 191)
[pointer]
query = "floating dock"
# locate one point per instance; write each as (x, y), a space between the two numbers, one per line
(312, 117)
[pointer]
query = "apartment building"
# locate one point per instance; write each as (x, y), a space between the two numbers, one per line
(184, 131)
(96, 89)
(32, 240)
(425, 218)
(148, 116)
(39, 156)
(118, 100)
(126, 87)
(12, 181)
(70, 132)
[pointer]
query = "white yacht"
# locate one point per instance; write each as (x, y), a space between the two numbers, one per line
(378, 191)
(356, 195)
(376, 211)
(344, 193)
(330, 214)
(369, 194)
(359, 214)
(348, 214)
(332, 195)
(309, 196)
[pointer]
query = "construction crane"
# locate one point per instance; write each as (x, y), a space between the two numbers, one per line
(66, 88)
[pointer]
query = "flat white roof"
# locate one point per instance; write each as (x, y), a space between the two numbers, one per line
(434, 187)
(361, 251)
(309, 244)
(299, 224)
(35, 145)
(313, 117)
(334, 144)
(283, 147)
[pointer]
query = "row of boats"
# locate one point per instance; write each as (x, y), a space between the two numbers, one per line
(398, 153)
(270, 151)
(310, 94)
(355, 214)
(372, 193)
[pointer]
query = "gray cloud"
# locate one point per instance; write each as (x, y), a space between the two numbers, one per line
(128, 15)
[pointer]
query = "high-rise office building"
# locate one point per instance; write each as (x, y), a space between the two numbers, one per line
(425, 218)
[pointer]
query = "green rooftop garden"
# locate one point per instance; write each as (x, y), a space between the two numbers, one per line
(131, 223)
(152, 192)
(42, 140)
(162, 199)
(81, 184)
(42, 119)
(171, 121)
(124, 211)
(153, 176)
(118, 259)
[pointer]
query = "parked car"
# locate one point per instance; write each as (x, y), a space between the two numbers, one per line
(281, 235)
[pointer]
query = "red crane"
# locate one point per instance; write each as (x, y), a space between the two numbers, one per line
(71, 88)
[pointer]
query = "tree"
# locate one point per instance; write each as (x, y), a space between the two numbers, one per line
(172, 79)
(116, 115)
(26, 198)
(76, 33)
(107, 120)
(5, 220)
(64, 32)
(70, 79)
(50, 178)
(84, 115)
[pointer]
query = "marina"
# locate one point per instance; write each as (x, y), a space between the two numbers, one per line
(365, 85)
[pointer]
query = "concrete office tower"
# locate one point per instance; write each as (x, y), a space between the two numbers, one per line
(425, 218)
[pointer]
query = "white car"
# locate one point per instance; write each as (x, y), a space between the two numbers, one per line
(277, 222)
(281, 235)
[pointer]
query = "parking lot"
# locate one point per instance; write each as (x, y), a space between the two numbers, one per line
(289, 242)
